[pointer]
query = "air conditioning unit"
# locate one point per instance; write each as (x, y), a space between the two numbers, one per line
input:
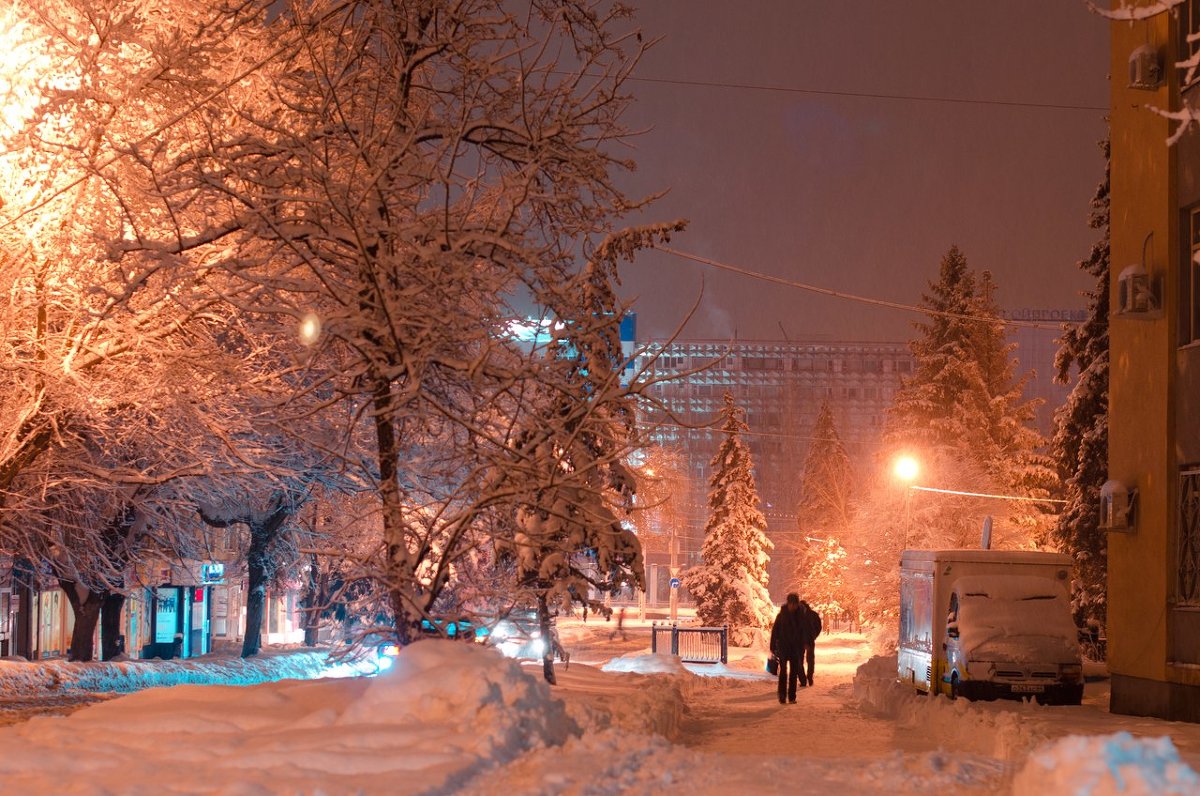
(1145, 68)
(1135, 291)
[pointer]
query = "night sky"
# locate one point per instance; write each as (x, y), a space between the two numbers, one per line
(863, 194)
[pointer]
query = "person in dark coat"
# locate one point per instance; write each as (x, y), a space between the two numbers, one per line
(812, 621)
(789, 640)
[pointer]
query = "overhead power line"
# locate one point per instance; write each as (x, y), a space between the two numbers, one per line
(1055, 106)
(824, 291)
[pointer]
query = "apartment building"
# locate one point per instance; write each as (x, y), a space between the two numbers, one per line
(1152, 502)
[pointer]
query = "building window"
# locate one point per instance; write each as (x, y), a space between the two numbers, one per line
(1189, 538)
(1189, 282)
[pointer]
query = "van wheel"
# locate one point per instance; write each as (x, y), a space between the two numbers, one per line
(954, 686)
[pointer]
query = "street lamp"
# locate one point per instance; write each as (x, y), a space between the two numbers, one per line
(906, 468)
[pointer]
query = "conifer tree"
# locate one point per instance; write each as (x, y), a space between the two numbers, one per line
(962, 410)
(1080, 444)
(824, 515)
(827, 590)
(730, 587)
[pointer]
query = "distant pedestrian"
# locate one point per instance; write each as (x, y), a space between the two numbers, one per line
(620, 628)
(789, 640)
(813, 623)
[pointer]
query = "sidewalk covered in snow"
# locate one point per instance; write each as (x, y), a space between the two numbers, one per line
(450, 717)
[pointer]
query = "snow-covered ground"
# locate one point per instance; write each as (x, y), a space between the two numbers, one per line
(457, 718)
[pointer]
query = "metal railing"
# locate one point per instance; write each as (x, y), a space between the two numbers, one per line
(692, 644)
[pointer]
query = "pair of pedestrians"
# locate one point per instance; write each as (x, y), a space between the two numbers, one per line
(794, 639)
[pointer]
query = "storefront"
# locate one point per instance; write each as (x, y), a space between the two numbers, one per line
(180, 621)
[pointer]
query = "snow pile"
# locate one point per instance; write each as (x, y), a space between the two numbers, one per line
(660, 663)
(474, 695)
(18, 676)
(876, 688)
(1006, 732)
(643, 694)
(446, 713)
(1106, 766)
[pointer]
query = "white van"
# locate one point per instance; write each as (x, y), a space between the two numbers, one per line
(987, 624)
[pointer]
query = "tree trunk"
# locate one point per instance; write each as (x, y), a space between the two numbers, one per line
(86, 608)
(264, 526)
(543, 612)
(397, 564)
(256, 595)
(313, 602)
(112, 643)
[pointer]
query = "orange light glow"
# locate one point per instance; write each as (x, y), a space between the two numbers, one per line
(906, 468)
(310, 328)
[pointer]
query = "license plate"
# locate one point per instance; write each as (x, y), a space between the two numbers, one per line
(1027, 688)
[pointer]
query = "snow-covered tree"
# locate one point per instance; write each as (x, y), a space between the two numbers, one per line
(418, 173)
(824, 515)
(1081, 426)
(662, 485)
(115, 391)
(266, 513)
(572, 536)
(399, 180)
(730, 586)
(826, 588)
(963, 414)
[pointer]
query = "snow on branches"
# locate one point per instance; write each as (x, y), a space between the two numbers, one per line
(730, 587)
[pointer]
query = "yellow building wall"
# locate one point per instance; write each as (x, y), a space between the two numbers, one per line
(1141, 425)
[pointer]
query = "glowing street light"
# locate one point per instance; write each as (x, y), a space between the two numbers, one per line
(310, 328)
(906, 468)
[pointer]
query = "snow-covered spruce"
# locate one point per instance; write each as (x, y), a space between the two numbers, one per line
(730, 587)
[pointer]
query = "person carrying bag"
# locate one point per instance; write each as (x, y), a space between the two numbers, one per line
(789, 640)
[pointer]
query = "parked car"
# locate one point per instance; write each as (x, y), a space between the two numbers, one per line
(458, 629)
(518, 635)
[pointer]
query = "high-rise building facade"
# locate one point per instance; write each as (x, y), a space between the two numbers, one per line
(1037, 346)
(781, 385)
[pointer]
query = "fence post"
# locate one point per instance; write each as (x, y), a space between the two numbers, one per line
(725, 644)
(675, 640)
(654, 638)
